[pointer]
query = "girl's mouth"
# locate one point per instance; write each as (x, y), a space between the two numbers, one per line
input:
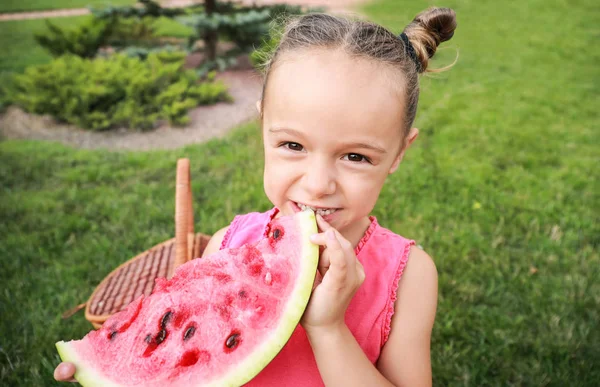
(318, 210)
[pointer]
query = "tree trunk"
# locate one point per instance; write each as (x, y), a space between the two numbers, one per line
(211, 38)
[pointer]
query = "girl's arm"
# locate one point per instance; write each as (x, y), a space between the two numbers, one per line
(404, 360)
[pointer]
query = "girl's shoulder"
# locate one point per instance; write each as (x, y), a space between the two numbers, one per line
(214, 244)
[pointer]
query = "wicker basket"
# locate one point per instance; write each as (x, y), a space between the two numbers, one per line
(136, 276)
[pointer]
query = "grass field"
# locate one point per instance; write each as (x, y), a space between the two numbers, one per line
(19, 48)
(501, 188)
(43, 5)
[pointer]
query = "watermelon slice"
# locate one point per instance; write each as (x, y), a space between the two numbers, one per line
(219, 321)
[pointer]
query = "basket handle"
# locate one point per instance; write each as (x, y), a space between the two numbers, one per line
(184, 215)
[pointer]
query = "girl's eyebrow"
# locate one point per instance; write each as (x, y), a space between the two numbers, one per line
(278, 129)
(294, 132)
(364, 146)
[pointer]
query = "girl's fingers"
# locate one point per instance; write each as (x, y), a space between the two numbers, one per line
(319, 238)
(318, 279)
(338, 266)
(323, 264)
(322, 223)
(336, 258)
(65, 372)
(333, 251)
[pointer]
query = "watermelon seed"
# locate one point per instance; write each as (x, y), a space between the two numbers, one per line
(165, 320)
(232, 340)
(242, 294)
(112, 335)
(189, 333)
(148, 339)
(162, 335)
(276, 233)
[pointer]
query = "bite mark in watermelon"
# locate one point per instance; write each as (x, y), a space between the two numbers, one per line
(218, 321)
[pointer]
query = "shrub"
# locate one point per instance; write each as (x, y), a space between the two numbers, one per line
(6, 85)
(132, 31)
(116, 91)
(84, 40)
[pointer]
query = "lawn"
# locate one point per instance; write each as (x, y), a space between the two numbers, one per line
(39, 5)
(501, 188)
(21, 50)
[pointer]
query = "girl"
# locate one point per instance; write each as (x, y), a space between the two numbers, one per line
(337, 108)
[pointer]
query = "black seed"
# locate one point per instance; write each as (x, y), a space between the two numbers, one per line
(189, 333)
(112, 335)
(276, 233)
(242, 294)
(165, 320)
(148, 339)
(232, 340)
(162, 335)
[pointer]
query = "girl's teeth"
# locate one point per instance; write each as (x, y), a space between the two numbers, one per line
(319, 211)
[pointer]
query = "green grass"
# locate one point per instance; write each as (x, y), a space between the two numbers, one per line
(43, 5)
(501, 189)
(19, 48)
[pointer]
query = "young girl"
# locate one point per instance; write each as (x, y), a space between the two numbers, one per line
(337, 108)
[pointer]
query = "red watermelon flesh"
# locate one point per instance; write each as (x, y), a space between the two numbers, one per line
(218, 321)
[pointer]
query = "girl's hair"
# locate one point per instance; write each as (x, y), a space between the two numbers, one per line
(364, 39)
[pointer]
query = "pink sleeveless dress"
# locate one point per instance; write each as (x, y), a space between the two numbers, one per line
(383, 255)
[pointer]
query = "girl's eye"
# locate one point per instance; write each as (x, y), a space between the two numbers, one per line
(293, 146)
(355, 157)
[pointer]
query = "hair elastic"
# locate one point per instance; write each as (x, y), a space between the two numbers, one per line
(410, 50)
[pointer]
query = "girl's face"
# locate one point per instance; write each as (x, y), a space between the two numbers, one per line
(332, 134)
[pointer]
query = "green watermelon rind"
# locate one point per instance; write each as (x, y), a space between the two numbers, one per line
(85, 373)
(263, 354)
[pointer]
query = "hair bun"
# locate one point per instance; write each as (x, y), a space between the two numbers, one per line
(428, 29)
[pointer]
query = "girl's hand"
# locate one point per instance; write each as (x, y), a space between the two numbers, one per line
(65, 372)
(340, 274)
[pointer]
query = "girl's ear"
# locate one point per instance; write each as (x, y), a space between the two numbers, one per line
(412, 136)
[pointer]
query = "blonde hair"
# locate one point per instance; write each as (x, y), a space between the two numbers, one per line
(363, 39)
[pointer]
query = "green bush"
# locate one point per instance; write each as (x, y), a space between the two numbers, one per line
(84, 40)
(6, 83)
(116, 91)
(132, 31)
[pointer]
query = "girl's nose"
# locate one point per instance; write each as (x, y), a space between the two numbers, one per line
(319, 180)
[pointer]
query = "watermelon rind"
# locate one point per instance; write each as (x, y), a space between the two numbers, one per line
(87, 375)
